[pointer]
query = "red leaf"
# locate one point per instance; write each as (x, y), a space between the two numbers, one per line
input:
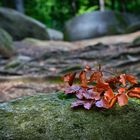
(122, 99)
(77, 103)
(134, 93)
(96, 76)
(102, 92)
(109, 94)
(101, 86)
(87, 68)
(112, 102)
(86, 103)
(87, 94)
(123, 79)
(80, 93)
(103, 103)
(113, 80)
(136, 89)
(131, 79)
(93, 95)
(72, 90)
(121, 90)
(83, 79)
(69, 78)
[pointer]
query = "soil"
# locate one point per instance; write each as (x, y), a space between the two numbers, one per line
(39, 65)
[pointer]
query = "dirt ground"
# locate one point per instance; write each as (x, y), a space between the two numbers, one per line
(39, 65)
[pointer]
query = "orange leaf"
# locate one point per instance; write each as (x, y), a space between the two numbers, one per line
(87, 68)
(93, 95)
(136, 89)
(121, 90)
(131, 79)
(103, 103)
(69, 78)
(101, 86)
(109, 94)
(113, 80)
(96, 76)
(123, 79)
(134, 93)
(113, 102)
(83, 79)
(122, 99)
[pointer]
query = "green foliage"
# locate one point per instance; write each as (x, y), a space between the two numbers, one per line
(84, 9)
(134, 6)
(54, 13)
(51, 12)
(87, 6)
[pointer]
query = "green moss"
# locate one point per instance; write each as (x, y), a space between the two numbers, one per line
(121, 20)
(49, 117)
(133, 28)
(6, 44)
(136, 40)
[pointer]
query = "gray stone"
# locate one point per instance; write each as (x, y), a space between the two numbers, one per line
(133, 27)
(20, 26)
(55, 34)
(131, 18)
(49, 117)
(6, 44)
(96, 24)
(136, 40)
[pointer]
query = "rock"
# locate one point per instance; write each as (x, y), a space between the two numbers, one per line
(96, 24)
(13, 64)
(136, 40)
(49, 117)
(55, 35)
(17, 62)
(131, 18)
(133, 27)
(20, 26)
(6, 44)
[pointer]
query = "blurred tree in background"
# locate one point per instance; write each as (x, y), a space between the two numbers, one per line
(16, 4)
(54, 13)
(51, 12)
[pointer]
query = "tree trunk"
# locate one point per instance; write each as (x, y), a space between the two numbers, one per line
(19, 5)
(8, 3)
(102, 5)
(15, 4)
(74, 6)
(112, 4)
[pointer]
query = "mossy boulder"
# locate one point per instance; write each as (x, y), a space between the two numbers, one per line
(136, 40)
(99, 23)
(133, 27)
(55, 34)
(6, 44)
(49, 117)
(20, 26)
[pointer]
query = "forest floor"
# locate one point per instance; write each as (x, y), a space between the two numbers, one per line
(40, 65)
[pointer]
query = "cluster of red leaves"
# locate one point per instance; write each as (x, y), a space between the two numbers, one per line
(96, 90)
